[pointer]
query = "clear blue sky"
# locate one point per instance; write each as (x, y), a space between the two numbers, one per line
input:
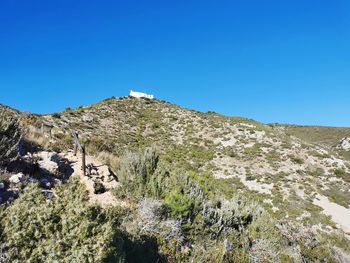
(274, 61)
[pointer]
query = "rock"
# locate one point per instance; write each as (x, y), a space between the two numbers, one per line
(51, 156)
(45, 183)
(17, 178)
(49, 166)
(88, 118)
(48, 161)
(344, 144)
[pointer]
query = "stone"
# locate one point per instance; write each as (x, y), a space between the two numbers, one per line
(87, 118)
(45, 183)
(48, 166)
(48, 161)
(344, 144)
(45, 155)
(17, 178)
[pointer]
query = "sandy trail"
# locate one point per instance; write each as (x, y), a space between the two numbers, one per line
(104, 199)
(338, 213)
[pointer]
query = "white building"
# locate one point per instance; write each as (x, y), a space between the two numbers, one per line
(136, 94)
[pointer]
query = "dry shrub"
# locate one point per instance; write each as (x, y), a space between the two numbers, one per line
(10, 135)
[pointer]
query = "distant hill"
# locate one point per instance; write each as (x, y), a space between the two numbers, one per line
(327, 137)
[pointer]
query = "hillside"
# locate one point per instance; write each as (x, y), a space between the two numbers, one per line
(327, 137)
(293, 173)
(253, 155)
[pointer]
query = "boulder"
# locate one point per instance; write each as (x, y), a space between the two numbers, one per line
(48, 166)
(17, 178)
(45, 155)
(344, 144)
(48, 161)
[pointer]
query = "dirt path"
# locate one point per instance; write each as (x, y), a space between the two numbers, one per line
(339, 214)
(101, 174)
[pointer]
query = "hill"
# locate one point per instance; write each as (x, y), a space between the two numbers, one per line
(230, 167)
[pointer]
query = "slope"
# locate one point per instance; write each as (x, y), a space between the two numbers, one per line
(287, 174)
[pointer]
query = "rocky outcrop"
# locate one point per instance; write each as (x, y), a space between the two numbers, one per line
(46, 163)
(46, 168)
(344, 144)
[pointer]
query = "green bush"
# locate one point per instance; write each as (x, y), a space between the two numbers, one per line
(99, 188)
(342, 174)
(296, 160)
(180, 204)
(64, 228)
(56, 115)
(136, 174)
(218, 223)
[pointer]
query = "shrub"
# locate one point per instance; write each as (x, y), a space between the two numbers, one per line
(342, 174)
(99, 187)
(196, 219)
(180, 204)
(296, 160)
(62, 229)
(136, 171)
(56, 115)
(228, 215)
(9, 136)
(152, 221)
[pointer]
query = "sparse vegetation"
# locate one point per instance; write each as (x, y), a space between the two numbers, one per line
(341, 173)
(207, 215)
(217, 189)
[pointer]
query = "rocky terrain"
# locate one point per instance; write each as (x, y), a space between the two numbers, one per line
(263, 159)
(298, 175)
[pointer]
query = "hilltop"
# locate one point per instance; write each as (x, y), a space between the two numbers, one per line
(295, 174)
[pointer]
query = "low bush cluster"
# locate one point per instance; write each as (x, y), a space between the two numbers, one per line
(64, 228)
(140, 175)
(191, 224)
(172, 216)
